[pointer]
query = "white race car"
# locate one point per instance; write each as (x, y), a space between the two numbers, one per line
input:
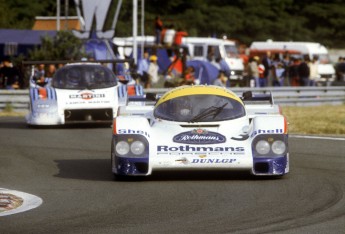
(81, 92)
(201, 128)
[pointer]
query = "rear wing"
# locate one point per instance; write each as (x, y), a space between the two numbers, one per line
(259, 104)
(249, 98)
(140, 105)
(112, 62)
(64, 62)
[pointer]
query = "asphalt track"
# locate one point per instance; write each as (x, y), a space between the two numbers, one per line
(69, 168)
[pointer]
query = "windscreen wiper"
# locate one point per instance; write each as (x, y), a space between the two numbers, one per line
(210, 111)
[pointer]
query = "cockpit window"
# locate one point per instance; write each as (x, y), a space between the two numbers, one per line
(199, 108)
(84, 77)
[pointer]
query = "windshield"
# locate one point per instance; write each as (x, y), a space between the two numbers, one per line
(231, 51)
(199, 108)
(323, 58)
(84, 77)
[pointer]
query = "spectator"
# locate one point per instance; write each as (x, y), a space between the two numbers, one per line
(266, 61)
(158, 29)
(253, 71)
(276, 71)
(49, 74)
(340, 69)
(293, 72)
(143, 67)
(313, 74)
(211, 54)
(279, 75)
(9, 76)
(39, 75)
(286, 64)
(189, 77)
(221, 80)
(153, 72)
(262, 80)
(178, 37)
(51, 71)
(169, 36)
(304, 71)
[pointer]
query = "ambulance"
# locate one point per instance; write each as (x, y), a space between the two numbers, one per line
(201, 47)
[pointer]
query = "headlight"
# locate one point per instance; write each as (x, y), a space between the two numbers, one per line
(270, 145)
(278, 147)
(131, 146)
(137, 147)
(122, 148)
(262, 147)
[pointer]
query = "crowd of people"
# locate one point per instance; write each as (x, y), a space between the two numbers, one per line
(260, 71)
(274, 70)
(167, 35)
(10, 76)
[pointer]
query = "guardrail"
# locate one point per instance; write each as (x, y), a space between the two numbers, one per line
(333, 95)
(18, 100)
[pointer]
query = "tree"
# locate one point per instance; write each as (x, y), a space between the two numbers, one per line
(64, 46)
(245, 20)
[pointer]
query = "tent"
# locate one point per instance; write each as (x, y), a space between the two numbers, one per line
(205, 71)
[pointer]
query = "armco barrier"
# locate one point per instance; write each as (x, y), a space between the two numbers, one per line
(293, 95)
(18, 100)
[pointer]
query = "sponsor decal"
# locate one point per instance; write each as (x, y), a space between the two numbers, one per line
(87, 96)
(199, 136)
(131, 131)
(271, 131)
(213, 160)
(188, 148)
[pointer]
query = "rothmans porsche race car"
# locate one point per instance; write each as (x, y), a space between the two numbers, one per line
(79, 92)
(201, 128)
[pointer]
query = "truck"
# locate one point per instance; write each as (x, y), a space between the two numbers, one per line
(312, 49)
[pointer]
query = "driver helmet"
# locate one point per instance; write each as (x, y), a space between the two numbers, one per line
(184, 106)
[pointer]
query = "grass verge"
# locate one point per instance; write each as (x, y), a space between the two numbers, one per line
(318, 120)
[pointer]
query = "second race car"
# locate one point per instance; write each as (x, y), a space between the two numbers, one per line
(79, 92)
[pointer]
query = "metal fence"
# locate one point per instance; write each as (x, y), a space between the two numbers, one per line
(18, 100)
(297, 96)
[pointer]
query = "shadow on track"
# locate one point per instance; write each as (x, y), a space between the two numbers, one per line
(12, 123)
(20, 123)
(84, 169)
(100, 170)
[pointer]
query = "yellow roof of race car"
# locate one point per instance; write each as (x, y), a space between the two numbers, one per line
(198, 90)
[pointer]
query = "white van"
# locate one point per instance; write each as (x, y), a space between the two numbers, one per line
(312, 49)
(200, 47)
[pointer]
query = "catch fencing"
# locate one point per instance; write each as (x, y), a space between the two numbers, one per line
(18, 100)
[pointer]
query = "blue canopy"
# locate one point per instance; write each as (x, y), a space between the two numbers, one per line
(205, 71)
